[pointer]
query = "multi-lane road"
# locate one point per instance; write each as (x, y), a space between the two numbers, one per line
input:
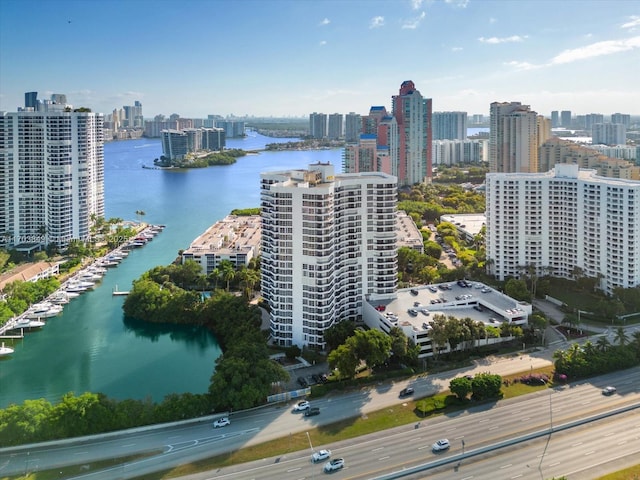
(375, 455)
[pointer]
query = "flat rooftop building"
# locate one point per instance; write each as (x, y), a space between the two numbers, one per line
(235, 238)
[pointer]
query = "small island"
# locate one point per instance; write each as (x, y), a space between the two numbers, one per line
(201, 159)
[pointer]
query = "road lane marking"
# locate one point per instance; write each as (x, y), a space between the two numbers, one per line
(377, 449)
(554, 464)
(384, 458)
(291, 470)
(576, 444)
(507, 466)
(589, 453)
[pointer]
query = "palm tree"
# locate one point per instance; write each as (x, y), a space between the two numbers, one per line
(228, 271)
(603, 344)
(214, 276)
(621, 337)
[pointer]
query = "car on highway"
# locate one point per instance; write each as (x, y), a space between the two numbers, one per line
(440, 445)
(310, 412)
(320, 455)
(405, 392)
(221, 422)
(301, 406)
(609, 390)
(333, 465)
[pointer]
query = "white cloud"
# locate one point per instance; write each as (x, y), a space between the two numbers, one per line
(497, 40)
(493, 20)
(634, 21)
(416, 4)
(376, 22)
(598, 49)
(414, 22)
(458, 3)
(323, 42)
(456, 49)
(522, 65)
(324, 22)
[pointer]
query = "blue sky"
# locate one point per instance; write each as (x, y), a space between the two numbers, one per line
(294, 57)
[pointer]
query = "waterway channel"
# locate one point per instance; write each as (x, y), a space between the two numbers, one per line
(90, 346)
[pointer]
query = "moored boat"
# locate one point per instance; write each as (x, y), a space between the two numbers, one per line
(5, 350)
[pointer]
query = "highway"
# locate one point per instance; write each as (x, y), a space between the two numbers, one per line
(379, 455)
(398, 448)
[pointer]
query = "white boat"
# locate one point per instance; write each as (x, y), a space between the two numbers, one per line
(108, 263)
(35, 324)
(60, 298)
(89, 276)
(79, 286)
(43, 310)
(5, 350)
(97, 269)
(22, 322)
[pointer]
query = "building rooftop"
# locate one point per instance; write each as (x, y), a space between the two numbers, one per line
(416, 306)
(230, 234)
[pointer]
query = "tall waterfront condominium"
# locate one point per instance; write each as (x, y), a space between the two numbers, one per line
(352, 127)
(318, 125)
(335, 126)
(608, 134)
(51, 176)
(565, 222)
(413, 115)
(328, 241)
(449, 125)
(514, 137)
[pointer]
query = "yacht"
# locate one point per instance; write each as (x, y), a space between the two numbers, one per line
(5, 350)
(43, 310)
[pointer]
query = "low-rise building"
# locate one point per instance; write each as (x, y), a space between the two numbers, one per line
(235, 238)
(413, 309)
(31, 272)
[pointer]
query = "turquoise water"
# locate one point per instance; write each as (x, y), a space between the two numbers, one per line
(90, 346)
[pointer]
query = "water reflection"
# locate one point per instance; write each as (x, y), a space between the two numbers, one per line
(193, 337)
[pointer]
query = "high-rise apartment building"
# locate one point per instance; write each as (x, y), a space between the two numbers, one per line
(133, 116)
(51, 176)
(328, 242)
(513, 138)
(591, 119)
(176, 144)
(449, 125)
(413, 115)
(318, 125)
(561, 220)
(608, 134)
(623, 118)
(352, 127)
(555, 119)
(565, 118)
(335, 126)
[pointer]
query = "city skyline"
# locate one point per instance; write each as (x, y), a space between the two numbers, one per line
(286, 58)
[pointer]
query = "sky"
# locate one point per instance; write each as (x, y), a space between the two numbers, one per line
(289, 58)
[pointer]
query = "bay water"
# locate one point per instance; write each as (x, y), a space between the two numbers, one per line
(91, 347)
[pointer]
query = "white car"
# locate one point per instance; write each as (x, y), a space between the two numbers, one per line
(333, 465)
(221, 422)
(300, 406)
(440, 445)
(320, 455)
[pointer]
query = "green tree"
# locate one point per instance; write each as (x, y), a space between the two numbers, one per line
(517, 289)
(461, 387)
(243, 376)
(344, 358)
(338, 333)
(621, 337)
(228, 271)
(371, 346)
(486, 385)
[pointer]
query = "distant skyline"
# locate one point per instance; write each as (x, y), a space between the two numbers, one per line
(285, 58)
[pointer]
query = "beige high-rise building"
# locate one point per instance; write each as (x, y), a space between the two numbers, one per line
(513, 138)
